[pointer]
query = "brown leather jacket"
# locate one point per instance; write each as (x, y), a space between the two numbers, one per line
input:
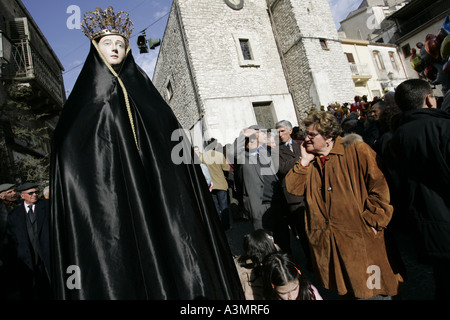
(347, 209)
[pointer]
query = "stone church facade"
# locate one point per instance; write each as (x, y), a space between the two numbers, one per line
(227, 64)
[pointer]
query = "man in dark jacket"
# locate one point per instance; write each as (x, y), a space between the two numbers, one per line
(421, 147)
(28, 245)
(261, 186)
(290, 152)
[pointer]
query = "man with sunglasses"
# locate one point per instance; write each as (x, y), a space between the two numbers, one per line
(29, 246)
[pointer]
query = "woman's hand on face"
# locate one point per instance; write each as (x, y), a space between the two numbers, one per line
(307, 157)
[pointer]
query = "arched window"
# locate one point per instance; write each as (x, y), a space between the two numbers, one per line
(393, 61)
(378, 60)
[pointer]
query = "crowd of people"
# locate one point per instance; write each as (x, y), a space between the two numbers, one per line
(124, 221)
(336, 183)
(346, 183)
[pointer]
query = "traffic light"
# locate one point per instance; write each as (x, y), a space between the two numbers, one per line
(142, 44)
(154, 43)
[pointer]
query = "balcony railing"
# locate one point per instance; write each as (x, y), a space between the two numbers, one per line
(360, 70)
(27, 65)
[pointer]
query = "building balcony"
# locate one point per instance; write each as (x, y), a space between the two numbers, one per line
(360, 73)
(26, 65)
(28, 77)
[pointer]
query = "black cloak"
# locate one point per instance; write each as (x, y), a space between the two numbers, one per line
(127, 222)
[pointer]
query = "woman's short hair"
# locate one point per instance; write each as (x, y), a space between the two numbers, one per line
(325, 123)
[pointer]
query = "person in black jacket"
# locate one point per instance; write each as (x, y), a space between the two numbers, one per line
(290, 153)
(421, 149)
(27, 240)
(260, 183)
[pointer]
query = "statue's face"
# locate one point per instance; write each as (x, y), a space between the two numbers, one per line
(113, 47)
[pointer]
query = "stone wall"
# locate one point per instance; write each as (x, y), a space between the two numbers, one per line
(173, 66)
(227, 86)
(318, 75)
(202, 58)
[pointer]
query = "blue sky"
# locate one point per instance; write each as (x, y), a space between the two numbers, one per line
(341, 8)
(71, 45)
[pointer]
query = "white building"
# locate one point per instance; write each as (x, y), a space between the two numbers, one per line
(225, 65)
(414, 22)
(399, 22)
(376, 68)
(369, 22)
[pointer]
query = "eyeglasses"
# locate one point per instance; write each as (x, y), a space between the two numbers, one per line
(311, 135)
(32, 192)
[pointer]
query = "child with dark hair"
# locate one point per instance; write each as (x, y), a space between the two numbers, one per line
(282, 280)
(256, 245)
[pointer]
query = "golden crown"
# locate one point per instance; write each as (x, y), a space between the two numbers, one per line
(103, 22)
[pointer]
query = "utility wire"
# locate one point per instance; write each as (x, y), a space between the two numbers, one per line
(153, 23)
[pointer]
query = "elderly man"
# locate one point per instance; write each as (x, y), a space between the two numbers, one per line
(262, 194)
(27, 239)
(8, 196)
(260, 190)
(290, 153)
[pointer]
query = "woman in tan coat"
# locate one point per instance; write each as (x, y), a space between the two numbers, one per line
(347, 210)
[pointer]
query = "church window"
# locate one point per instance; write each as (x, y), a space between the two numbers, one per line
(323, 44)
(169, 90)
(245, 47)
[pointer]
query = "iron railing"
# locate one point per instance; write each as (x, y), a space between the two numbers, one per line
(359, 69)
(27, 65)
